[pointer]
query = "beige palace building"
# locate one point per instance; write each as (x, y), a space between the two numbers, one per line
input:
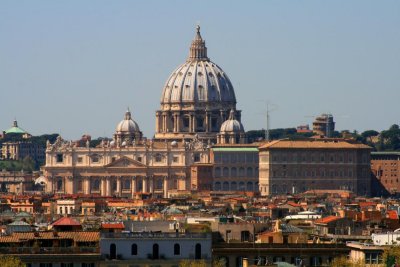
(294, 166)
(198, 109)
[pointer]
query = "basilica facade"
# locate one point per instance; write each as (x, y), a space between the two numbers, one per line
(198, 109)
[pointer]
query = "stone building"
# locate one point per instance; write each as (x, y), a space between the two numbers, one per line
(235, 167)
(294, 166)
(324, 125)
(21, 148)
(385, 167)
(195, 103)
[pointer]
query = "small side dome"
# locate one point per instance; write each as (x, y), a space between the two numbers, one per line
(127, 125)
(232, 125)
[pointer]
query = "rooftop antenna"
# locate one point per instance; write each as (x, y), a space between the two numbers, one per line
(269, 108)
(267, 130)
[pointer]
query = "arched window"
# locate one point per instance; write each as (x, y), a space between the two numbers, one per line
(241, 171)
(217, 186)
(225, 172)
(134, 249)
(177, 249)
(114, 186)
(233, 186)
(59, 184)
(217, 172)
(159, 184)
(225, 186)
(96, 184)
(249, 186)
(241, 186)
(127, 184)
(233, 172)
(249, 172)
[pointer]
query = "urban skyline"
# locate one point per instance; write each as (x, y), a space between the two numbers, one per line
(74, 68)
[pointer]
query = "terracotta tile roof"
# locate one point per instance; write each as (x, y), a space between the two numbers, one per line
(327, 220)
(366, 204)
(77, 236)
(294, 204)
(314, 143)
(66, 221)
(112, 226)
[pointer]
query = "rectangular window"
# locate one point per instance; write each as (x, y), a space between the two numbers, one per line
(139, 159)
(59, 158)
(79, 160)
(197, 157)
(175, 159)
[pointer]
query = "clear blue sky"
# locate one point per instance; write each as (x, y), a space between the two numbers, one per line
(75, 66)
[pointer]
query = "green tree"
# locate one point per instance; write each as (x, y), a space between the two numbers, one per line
(193, 263)
(343, 261)
(391, 255)
(10, 261)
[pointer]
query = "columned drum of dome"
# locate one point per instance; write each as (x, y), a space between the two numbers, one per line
(127, 131)
(196, 98)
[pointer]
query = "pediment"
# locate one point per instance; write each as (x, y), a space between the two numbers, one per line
(125, 162)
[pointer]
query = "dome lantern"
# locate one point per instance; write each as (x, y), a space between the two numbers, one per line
(198, 49)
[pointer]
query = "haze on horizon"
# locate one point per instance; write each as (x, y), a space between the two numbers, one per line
(73, 67)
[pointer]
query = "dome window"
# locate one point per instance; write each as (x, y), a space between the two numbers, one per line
(210, 74)
(189, 73)
(187, 86)
(200, 73)
(180, 73)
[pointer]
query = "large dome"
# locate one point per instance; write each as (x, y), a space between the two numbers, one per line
(198, 79)
(196, 98)
(201, 81)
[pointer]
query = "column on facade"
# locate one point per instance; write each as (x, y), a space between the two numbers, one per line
(144, 184)
(119, 186)
(157, 122)
(151, 184)
(87, 185)
(194, 123)
(208, 121)
(108, 186)
(178, 122)
(165, 187)
(102, 187)
(133, 186)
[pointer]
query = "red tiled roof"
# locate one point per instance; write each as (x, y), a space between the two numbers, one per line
(66, 221)
(327, 219)
(294, 204)
(75, 235)
(366, 204)
(112, 226)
